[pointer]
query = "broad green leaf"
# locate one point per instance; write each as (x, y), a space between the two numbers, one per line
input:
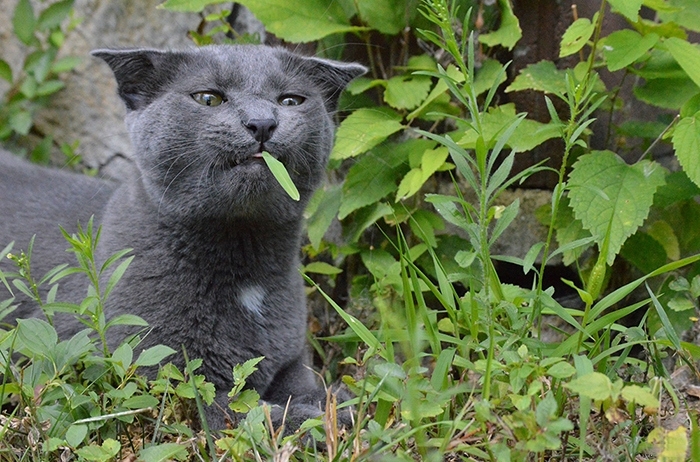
(327, 202)
(639, 395)
(76, 434)
(37, 336)
(611, 197)
(364, 129)
(53, 16)
(163, 452)
(194, 6)
(508, 33)
(664, 234)
(486, 76)
(5, 71)
(576, 36)
(375, 175)
(644, 252)
(407, 92)
(683, 12)
(24, 21)
(527, 135)
(561, 370)
(543, 76)
(624, 47)
(50, 87)
(245, 401)
(687, 55)
(410, 184)
(141, 402)
(386, 16)
(594, 385)
(154, 355)
(301, 21)
(320, 267)
(686, 142)
(628, 8)
(667, 93)
(281, 175)
(107, 451)
(65, 64)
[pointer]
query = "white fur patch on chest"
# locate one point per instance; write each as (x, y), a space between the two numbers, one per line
(252, 298)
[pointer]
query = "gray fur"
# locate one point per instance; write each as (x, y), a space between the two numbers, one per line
(215, 238)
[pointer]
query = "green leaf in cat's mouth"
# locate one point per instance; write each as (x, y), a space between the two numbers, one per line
(281, 175)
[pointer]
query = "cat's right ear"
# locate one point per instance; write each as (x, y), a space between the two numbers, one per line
(140, 73)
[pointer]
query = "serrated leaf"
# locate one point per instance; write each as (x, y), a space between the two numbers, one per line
(279, 171)
(686, 142)
(364, 129)
(527, 135)
(576, 36)
(624, 47)
(509, 31)
(611, 197)
(301, 21)
(245, 401)
(628, 8)
(687, 55)
(163, 452)
(154, 355)
(543, 76)
(24, 21)
(407, 92)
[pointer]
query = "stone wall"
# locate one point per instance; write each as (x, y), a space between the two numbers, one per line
(88, 109)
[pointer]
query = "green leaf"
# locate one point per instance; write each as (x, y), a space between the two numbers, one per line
(50, 87)
(561, 370)
(685, 13)
(301, 21)
(364, 129)
(103, 453)
(527, 135)
(127, 320)
(407, 92)
(163, 452)
(612, 199)
(280, 173)
(639, 395)
(65, 64)
(386, 16)
(141, 402)
(53, 16)
(508, 33)
(37, 336)
(194, 6)
(376, 173)
(686, 142)
(320, 267)
(329, 199)
(245, 401)
(667, 93)
(76, 434)
(487, 75)
(24, 22)
(154, 355)
(687, 55)
(594, 385)
(628, 8)
(624, 47)
(543, 76)
(576, 36)
(5, 71)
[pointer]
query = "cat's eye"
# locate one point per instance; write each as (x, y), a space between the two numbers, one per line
(208, 98)
(291, 100)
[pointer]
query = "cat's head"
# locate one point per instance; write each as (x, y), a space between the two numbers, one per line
(199, 119)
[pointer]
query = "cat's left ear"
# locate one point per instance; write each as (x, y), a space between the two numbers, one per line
(333, 77)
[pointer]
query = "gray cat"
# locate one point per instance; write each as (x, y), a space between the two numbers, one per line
(216, 239)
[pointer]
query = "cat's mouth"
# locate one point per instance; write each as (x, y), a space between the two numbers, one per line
(233, 162)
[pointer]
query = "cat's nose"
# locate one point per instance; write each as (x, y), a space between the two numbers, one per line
(261, 128)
